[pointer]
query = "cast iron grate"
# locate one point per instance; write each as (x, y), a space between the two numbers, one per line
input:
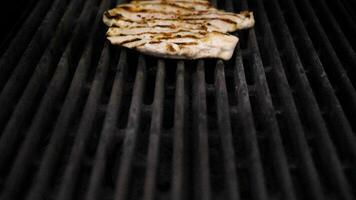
(81, 119)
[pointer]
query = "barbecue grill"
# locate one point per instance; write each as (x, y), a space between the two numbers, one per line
(81, 119)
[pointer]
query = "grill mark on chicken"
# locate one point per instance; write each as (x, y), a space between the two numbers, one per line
(170, 48)
(178, 36)
(154, 42)
(131, 8)
(130, 41)
(177, 43)
(173, 24)
(139, 11)
(186, 43)
(144, 26)
(204, 3)
(163, 33)
(187, 7)
(181, 19)
(221, 19)
(178, 6)
(187, 21)
(162, 39)
(165, 38)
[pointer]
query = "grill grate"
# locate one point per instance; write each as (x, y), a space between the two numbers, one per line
(81, 119)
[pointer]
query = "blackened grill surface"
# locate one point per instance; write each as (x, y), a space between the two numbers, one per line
(81, 119)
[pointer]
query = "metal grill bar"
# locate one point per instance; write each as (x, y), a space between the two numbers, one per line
(324, 143)
(250, 139)
(178, 138)
(22, 38)
(34, 134)
(65, 117)
(226, 135)
(109, 129)
(155, 133)
(350, 5)
(131, 133)
(347, 17)
(266, 102)
(343, 44)
(248, 127)
(338, 71)
(21, 73)
(58, 137)
(200, 119)
(334, 108)
(272, 127)
(11, 132)
(289, 108)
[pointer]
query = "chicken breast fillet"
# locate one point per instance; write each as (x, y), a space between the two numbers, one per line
(182, 29)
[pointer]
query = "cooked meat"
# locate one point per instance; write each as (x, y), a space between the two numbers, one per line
(176, 28)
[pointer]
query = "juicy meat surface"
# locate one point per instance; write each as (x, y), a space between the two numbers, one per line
(182, 29)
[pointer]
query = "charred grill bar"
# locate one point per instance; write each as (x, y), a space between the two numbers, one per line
(81, 119)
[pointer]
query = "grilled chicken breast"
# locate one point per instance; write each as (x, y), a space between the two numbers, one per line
(182, 29)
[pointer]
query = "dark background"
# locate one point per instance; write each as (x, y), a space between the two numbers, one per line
(11, 14)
